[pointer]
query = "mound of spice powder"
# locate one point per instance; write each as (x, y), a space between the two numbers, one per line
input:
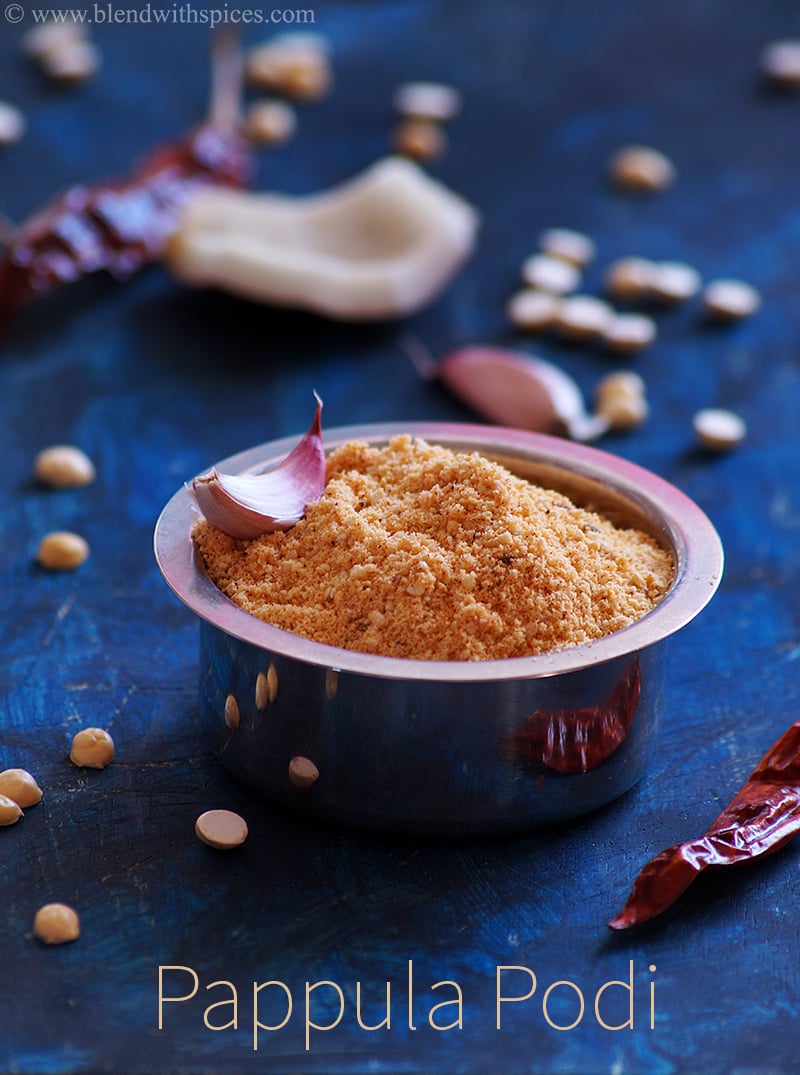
(417, 551)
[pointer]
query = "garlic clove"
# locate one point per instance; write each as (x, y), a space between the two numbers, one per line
(515, 389)
(247, 505)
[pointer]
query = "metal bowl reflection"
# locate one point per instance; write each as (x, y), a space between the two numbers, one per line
(448, 747)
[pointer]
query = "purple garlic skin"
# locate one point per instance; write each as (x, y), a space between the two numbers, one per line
(244, 506)
(512, 388)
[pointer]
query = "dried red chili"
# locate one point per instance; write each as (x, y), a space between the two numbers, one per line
(577, 740)
(760, 819)
(121, 225)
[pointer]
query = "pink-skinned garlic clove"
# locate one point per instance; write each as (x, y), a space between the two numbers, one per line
(515, 389)
(245, 506)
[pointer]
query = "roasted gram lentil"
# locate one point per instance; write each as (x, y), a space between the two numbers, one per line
(620, 399)
(12, 124)
(270, 122)
(420, 138)
(20, 786)
(56, 923)
(416, 551)
(72, 63)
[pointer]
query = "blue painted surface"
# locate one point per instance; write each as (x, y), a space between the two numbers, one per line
(156, 383)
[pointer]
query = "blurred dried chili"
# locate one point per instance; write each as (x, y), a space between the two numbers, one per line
(121, 225)
(577, 740)
(760, 819)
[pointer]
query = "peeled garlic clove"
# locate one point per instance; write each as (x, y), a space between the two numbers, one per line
(248, 505)
(515, 389)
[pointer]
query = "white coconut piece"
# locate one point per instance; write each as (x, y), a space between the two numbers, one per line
(381, 245)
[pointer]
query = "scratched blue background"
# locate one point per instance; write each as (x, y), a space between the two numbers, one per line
(156, 383)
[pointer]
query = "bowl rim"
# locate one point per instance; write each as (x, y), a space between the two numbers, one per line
(695, 543)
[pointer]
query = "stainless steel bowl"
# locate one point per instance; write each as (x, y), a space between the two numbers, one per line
(448, 747)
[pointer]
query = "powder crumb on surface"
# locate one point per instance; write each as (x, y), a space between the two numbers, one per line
(417, 551)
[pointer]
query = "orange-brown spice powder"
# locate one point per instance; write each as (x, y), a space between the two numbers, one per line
(417, 551)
